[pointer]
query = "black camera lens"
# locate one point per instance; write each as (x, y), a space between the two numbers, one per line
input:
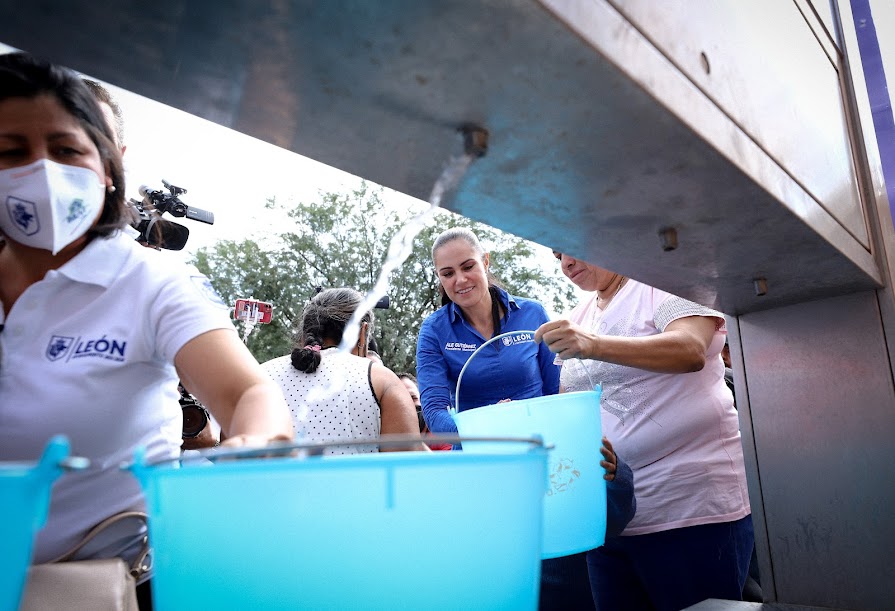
(195, 419)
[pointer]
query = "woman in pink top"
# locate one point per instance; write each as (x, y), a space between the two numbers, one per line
(667, 410)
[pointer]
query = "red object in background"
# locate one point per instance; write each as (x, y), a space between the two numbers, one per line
(250, 309)
(438, 447)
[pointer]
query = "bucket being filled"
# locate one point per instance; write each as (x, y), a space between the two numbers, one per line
(397, 530)
(569, 424)
(25, 494)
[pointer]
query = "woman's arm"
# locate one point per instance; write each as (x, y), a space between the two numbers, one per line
(223, 375)
(432, 378)
(549, 370)
(397, 411)
(680, 348)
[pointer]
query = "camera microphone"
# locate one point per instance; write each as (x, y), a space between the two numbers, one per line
(197, 214)
(170, 203)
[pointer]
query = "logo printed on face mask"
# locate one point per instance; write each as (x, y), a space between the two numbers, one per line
(76, 211)
(23, 215)
(49, 205)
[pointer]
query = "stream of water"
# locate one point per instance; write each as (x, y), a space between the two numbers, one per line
(400, 247)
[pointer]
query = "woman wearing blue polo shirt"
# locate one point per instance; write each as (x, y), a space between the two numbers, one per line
(474, 310)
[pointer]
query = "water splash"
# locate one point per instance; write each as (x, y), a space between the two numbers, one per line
(400, 247)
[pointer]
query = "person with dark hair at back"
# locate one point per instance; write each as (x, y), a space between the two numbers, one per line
(373, 351)
(335, 395)
(409, 381)
(111, 111)
(100, 329)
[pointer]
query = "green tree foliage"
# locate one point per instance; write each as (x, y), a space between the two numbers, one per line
(342, 241)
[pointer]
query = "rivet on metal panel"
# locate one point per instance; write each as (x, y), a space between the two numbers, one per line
(761, 286)
(475, 139)
(669, 238)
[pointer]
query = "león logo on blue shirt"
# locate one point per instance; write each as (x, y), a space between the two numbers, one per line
(519, 338)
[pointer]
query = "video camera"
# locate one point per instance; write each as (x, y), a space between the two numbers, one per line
(158, 232)
(195, 416)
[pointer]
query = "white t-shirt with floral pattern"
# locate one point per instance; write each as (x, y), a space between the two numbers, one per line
(678, 432)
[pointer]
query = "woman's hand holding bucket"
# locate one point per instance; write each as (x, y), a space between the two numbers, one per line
(567, 339)
(609, 461)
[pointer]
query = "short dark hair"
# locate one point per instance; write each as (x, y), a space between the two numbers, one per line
(24, 76)
(372, 345)
(408, 376)
(102, 95)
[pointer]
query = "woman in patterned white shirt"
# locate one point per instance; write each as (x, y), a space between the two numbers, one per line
(337, 395)
(667, 410)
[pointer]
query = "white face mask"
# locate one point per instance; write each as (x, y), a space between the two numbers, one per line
(49, 205)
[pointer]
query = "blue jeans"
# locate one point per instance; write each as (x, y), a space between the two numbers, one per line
(565, 585)
(673, 569)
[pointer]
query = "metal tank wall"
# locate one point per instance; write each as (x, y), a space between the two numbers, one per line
(817, 411)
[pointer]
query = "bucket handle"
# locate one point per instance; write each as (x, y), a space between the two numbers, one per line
(286, 448)
(56, 456)
(456, 407)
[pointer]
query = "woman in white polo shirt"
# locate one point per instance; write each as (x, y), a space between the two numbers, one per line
(669, 413)
(96, 330)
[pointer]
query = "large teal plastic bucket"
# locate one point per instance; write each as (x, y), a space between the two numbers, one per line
(404, 530)
(575, 503)
(25, 498)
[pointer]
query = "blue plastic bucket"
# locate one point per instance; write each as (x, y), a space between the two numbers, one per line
(575, 503)
(402, 530)
(25, 497)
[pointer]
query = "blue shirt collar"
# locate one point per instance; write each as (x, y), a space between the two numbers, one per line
(507, 301)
